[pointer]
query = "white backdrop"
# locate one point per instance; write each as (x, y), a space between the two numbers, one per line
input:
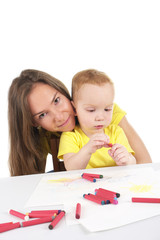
(61, 37)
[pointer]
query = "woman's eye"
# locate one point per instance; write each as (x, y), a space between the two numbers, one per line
(57, 100)
(42, 115)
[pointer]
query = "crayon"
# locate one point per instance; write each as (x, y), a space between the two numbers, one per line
(105, 194)
(56, 220)
(146, 200)
(93, 198)
(78, 211)
(110, 144)
(9, 227)
(108, 199)
(37, 221)
(40, 215)
(89, 178)
(102, 190)
(18, 214)
(5, 224)
(46, 211)
(93, 175)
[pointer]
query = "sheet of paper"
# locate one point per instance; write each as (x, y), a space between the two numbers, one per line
(68, 189)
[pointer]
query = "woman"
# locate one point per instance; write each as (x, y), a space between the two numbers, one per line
(39, 105)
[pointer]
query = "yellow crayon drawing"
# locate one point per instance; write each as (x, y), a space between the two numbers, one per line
(140, 188)
(63, 180)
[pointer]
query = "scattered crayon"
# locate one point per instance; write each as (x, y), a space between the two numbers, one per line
(56, 220)
(88, 178)
(78, 211)
(10, 227)
(37, 221)
(93, 198)
(18, 214)
(40, 215)
(93, 175)
(146, 200)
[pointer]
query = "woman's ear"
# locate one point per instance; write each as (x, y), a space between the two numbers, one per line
(74, 108)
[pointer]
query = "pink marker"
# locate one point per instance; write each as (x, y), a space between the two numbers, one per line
(5, 224)
(92, 175)
(40, 215)
(105, 191)
(18, 214)
(146, 200)
(93, 198)
(46, 211)
(78, 211)
(37, 221)
(110, 144)
(88, 178)
(9, 227)
(56, 220)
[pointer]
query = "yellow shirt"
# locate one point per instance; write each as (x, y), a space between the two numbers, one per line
(72, 142)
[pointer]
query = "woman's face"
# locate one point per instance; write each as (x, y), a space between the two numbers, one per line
(51, 109)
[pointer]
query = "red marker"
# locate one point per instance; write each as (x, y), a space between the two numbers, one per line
(56, 220)
(5, 224)
(9, 227)
(40, 215)
(105, 191)
(105, 194)
(18, 214)
(93, 198)
(46, 211)
(89, 178)
(78, 211)
(146, 200)
(92, 175)
(37, 221)
(110, 144)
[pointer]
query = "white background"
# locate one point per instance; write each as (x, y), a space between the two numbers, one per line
(62, 37)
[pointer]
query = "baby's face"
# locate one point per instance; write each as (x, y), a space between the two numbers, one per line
(94, 107)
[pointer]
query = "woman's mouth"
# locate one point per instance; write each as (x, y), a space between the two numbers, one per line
(65, 123)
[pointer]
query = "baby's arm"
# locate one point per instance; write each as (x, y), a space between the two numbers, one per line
(80, 159)
(120, 155)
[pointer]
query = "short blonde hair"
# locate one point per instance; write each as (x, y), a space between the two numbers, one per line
(91, 76)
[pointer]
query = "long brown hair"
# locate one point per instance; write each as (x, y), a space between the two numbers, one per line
(27, 149)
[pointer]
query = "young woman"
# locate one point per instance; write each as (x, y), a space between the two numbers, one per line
(40, 105)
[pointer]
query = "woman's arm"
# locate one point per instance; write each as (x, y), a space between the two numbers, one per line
(141, 152)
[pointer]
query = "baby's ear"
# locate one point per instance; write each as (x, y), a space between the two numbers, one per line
(74, 108)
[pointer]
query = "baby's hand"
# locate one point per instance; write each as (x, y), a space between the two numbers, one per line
(97, 141)
(121, 156)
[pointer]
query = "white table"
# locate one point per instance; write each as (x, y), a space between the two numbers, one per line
(15, 192)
